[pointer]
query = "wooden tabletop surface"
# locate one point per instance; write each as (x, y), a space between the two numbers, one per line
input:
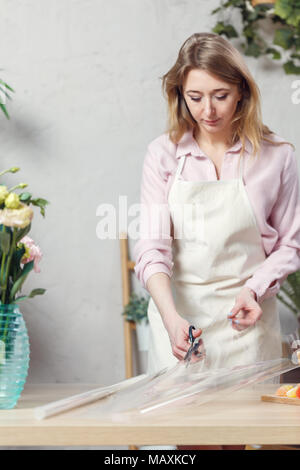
(241, 418)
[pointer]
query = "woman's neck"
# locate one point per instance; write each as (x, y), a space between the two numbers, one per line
(216, 142)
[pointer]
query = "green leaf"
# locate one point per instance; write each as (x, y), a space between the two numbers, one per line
(22, 232)
(5, 93)
(41, 203)
(25, 196)
(228, 30)
(249, 32)
(136, 309)
(38, 291)
(261, 8)
(291, 68)
(16, 263)
(5, 242)
(295, 55)
(4, 110)
(289, 10)
(276, 54)
(7, 86)
(291, 289)
(283, 8)
(253, 16)
(21, 298)
(253, 50)
(216, 10)
(18, 284)
(236, 3)
(283, 38)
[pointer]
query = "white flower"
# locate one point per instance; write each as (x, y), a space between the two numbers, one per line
(16, 217)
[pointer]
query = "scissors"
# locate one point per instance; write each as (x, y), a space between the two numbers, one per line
(194, 347)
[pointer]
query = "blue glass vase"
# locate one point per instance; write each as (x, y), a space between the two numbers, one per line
(14, 355)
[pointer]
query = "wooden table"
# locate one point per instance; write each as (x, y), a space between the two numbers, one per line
(241, 418)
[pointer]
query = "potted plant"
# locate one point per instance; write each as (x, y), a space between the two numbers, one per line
(291, 299)
(136, 311)
(285, 16)
(18, 256)
(291, 290)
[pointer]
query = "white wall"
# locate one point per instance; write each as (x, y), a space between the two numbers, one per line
(87, 103)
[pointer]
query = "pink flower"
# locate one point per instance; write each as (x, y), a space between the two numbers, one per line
(33, 252)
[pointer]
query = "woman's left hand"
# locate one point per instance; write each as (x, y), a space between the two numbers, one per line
(246, 311)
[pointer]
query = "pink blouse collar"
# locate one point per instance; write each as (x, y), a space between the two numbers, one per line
(189, 146)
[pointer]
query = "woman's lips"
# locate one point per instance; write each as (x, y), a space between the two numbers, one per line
(212, 122)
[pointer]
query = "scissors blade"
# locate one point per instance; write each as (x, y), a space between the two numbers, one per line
(188, 355)
(194, 350)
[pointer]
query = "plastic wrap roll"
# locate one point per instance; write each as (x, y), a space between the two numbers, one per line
(74, 401)
(202, 379)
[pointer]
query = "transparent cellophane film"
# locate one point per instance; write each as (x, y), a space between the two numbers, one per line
(230, 358)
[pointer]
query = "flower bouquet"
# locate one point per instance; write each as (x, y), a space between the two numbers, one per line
(18, 256)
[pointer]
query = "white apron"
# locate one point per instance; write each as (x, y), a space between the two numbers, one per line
(219, 251)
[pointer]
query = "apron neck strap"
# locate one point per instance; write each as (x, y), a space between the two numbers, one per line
(182, 160)
(241, 168)
(180, 167)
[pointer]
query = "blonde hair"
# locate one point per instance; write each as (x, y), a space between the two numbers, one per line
(211, 52)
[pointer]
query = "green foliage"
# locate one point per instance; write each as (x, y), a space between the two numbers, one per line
(291, 289)
(136, 309)
(228, 30)
(284, 13)
(20, 280)
(3, 87)
(39, 202)
(283, 38)
(17, 256)
(288, 10)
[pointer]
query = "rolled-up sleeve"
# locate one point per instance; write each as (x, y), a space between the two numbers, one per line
(152, 252)
(285, 218)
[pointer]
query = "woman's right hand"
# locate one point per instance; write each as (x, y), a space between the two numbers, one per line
(178, 331)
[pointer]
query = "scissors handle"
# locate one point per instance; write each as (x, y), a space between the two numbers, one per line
(191, 337)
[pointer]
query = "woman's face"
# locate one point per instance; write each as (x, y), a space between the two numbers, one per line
(211, 101)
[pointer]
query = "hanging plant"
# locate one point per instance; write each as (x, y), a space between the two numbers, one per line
(284, 14)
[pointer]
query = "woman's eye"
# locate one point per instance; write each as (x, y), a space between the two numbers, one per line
(218, 98)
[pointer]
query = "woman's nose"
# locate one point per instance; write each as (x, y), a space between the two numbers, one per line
(208, 108)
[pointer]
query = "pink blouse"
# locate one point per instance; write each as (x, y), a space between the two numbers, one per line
(272, 185)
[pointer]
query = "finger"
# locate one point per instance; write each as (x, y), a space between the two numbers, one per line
(197, 333)
(239, 327)
(177, 354)
(236, 309)
(179, 351)
(236, 325)
(183, 347)
(243, 321)
(196, 358)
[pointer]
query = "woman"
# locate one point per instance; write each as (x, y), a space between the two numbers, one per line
(239, 235)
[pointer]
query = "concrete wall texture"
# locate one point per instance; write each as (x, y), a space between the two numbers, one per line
(87, 102)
